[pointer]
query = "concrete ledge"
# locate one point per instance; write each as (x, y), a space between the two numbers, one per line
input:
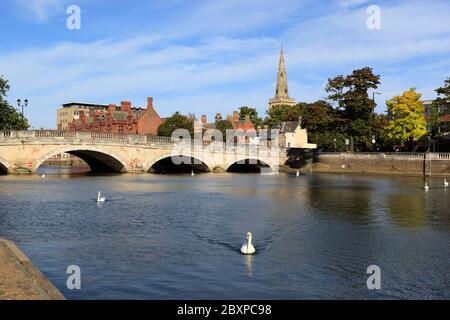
(20, 279)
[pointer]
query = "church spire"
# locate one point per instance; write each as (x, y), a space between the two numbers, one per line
(282, 86)
(282, 91)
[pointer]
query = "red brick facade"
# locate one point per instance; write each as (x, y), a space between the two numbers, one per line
(245, 125)
(123, 119)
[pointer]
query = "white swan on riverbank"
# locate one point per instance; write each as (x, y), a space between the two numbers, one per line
(445, 183)
(100, 198)
(426, 187)
(247, 247)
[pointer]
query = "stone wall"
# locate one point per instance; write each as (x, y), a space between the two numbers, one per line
(418, 164)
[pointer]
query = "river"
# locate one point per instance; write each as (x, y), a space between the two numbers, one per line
(178, 237)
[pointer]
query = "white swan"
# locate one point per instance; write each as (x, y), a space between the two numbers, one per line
(192, 173)
(43, 176)
(298, 173)
(426, 187)
(100, 198)
(445, 183)
(247, 247)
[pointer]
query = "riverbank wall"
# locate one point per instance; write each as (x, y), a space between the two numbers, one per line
(402, 164)
(20, 279)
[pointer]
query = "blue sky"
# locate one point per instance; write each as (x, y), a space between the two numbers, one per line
(208, 56)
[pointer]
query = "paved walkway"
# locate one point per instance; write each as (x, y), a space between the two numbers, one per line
(19, 279)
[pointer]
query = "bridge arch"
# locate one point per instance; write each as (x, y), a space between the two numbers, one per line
(98, 159)
(247, 164)
(4, 166)
(164, 163)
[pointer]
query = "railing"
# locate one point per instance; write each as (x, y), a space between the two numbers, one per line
(388, 155)
(68, 136)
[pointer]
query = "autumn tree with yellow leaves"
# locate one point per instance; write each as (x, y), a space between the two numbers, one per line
(407, 120)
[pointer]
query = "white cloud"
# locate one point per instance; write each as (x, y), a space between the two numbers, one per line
(41, 10)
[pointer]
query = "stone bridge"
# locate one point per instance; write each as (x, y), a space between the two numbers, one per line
(25, 151)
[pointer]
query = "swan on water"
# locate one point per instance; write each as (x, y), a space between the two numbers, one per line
(445, 183)
(298, 173)
(426, 187)
(100, 198)
(192, 173)
(247, 247)
(43, 176)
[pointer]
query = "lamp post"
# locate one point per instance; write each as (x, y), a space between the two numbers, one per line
(20, 105)
(374, 105)
(373, 113)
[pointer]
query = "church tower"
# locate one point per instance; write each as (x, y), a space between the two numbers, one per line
(282, 91)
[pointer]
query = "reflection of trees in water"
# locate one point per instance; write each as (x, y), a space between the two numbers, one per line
(437, 202)
(341, 197)
(406, 210)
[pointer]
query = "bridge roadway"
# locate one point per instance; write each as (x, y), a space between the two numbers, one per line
(25, 151)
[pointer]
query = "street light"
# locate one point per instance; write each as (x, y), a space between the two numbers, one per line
(25, 104)
(374, 105)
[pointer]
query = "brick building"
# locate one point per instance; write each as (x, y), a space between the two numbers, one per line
(123, 119)
(238, 125)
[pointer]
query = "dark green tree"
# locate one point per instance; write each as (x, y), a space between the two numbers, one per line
(248, 111)
(318, 116)
(223, 126)
(176, 121)
(10, 118)
(323, 125)
(350, 93)
(282, 113)
(441, 107)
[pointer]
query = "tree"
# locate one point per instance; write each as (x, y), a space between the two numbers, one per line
(10, 118)
(323, 125)
(252, 113)
(440, 107)
(382, 142)
(282, 113)
(350, 93)
(407, 117)
(176, 121)
(317, 116)
(223, 126)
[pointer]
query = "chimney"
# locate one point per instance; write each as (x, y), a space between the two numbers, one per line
(235, 116)
(218, 117)
(125, 105)
(150, 103)
(204, 121)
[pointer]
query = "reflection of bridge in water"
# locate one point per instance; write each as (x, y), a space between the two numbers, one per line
(25, 151)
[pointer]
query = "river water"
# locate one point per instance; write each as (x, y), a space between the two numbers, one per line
(178, 237)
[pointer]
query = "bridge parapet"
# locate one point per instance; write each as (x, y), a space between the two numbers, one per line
(49, 136)
(67, 136)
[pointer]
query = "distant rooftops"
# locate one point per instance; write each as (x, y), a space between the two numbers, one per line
(82, 105)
